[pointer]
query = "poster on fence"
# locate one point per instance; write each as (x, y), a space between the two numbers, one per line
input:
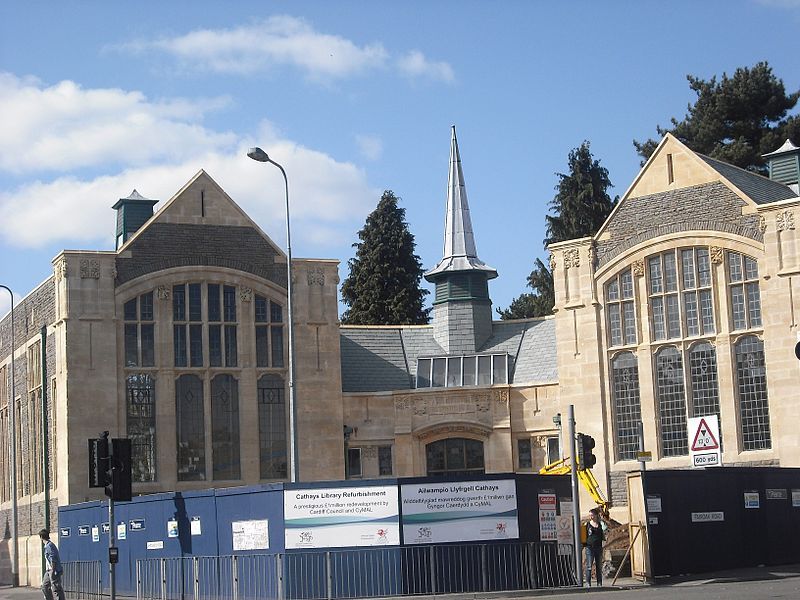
(459, 511)
(341, 517)
(250, 535)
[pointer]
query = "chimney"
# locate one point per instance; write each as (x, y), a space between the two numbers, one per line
(784, 165)
(132, 213)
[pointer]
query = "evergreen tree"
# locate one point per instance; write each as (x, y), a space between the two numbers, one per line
(579, 208)
(735, 120)
(383, 286)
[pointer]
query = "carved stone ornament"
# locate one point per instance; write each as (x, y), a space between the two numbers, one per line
(60, 269)
(369, 451)
(316, 276)
(784, 220)
(572, 258)
(421, 407)
(114, 273)
(90, 269)
(402, 403)
(762, 223)
(717, 255)
(552, 262)
(501, 396)
(637, 268)
(591, 253)
(162, 292)
(450, 430)
(246, 294)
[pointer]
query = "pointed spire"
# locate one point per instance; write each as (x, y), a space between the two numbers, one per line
(459, 252)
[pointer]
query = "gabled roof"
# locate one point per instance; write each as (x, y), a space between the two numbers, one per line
(384, 358)
(758, 188)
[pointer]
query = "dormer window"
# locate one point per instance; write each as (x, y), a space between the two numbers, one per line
(458, 371)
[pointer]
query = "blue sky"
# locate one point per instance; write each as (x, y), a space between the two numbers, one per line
(98, 98)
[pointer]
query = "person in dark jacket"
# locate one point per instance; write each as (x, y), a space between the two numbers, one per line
(51, 581)
(594, 546)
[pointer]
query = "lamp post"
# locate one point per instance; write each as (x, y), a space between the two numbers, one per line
(12, 421)
(259, 155)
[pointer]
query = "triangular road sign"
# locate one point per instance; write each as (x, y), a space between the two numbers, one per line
(704, 439)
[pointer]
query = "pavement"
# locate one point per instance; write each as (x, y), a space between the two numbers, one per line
(682, 582)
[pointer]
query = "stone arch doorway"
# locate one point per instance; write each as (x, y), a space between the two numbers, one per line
(461, 457)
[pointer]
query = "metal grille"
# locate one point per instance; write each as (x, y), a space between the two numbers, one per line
(751, 378)
(82, 580)
(671, 402)
(141, 424)
(627, 409)
(361, 573)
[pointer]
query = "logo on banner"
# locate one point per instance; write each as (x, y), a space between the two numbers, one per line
(704, 439)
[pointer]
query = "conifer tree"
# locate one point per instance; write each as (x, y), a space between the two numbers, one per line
(736, 119)
(579, 208)
(383, 285)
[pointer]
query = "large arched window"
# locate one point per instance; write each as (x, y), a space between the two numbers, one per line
(455, 456)
(744, 292)
(620, 310)
(671, 402)
(703, 378)
(272, 427)
(141, 424)
(225, 427)
(751, 380)
(190, 428)
(627, 407)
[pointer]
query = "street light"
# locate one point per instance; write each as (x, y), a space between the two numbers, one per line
(12, 421)
(259, 155)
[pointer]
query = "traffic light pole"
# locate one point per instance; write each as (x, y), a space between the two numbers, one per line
(576, 500)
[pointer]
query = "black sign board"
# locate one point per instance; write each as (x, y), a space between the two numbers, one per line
(137, 524)
(83, 530)
(64, 532)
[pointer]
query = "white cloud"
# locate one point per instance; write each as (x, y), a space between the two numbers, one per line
(415, 64)
(279, 40)
(370, 146)
(64, 127)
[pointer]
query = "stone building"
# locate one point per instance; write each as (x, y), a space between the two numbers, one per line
(684, 304)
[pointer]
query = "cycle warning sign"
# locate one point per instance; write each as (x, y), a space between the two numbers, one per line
(704, 441)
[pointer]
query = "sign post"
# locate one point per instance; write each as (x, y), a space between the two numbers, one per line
(704, 446)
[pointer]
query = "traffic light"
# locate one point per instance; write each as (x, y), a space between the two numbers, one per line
(98, 460)
(586, 457)
(118, 471)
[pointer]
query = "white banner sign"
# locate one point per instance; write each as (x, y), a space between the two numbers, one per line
(704, 446)
(459, 511)
(250, 535)
(341, 517)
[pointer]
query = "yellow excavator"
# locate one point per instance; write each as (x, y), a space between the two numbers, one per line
(586, 477)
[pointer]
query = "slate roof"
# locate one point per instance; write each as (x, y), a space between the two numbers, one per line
(759, 189)
(378, 359)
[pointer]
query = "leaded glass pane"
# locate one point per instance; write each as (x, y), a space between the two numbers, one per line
(703, 267)
(707, 311)
(196, 345)
(705, 387)
(276, 339)
(261, 305)
(225, 427)
(612, 290)
(190, 428)
(215, 345)
(670, 272)
(615, 324)
(751, 379)
(148, 344)
(178, 302)
(692, 317)
(229, 303)
(656, 282)
(214, 314)
(734, 266)
(659, 329)
(629, 320)
(262, 346)
(231, 352)
(131, 345)
(384, 460)
(737, 307)
(195, 311)
(141, 426)
(179, 344)
(673, 317)
(272, 427)
(687, 260)
(627, 285)
(130, 310)
(750, 268)
(275, 312)
(753, 304)
(671, 402)
(146, 306)
(627, 410)
(524, 458)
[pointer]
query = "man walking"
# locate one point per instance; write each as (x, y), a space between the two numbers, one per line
(51, 581)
